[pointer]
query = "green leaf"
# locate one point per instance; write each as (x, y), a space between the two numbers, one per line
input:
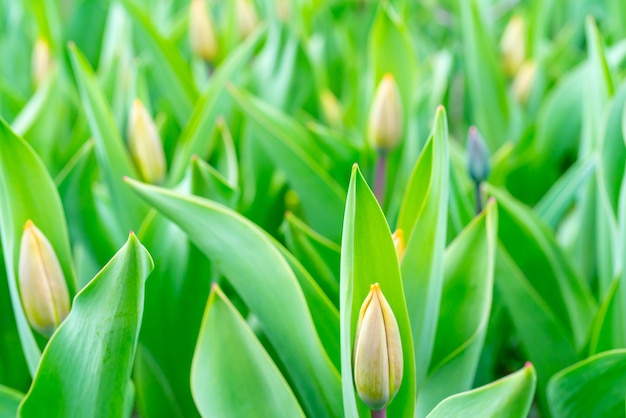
(36, 199)
(259, 273)
(423, 219)
(606, 332)
(207, 182)
(509, 397)
(368, 256)
(9, 402)
(465, 307)
(292, 150)
(232, 375)
(113, 157)
(593, 387)
(209, 106)
(85, 368)
(170, 70)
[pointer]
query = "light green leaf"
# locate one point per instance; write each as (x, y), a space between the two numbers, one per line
(593, 387)
(292, 150)
(207, 182)
(9, 402)
(259, 273)
(465, 307)
(423, 219)
(509, 397)
(368, 256)
(36, 199)
(232, 375)
(85, 368)
(113, 157)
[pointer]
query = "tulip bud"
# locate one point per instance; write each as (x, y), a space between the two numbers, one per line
(513, 45)
(202, 31)
(331, 109)
(247, 18)
(523, 82)
(145, 144)
(43, 288)
(385, 118)
(398, 242)
(378, 363)
(41, 63)
(477, 156)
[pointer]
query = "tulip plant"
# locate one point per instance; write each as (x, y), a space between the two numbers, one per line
(333, 208)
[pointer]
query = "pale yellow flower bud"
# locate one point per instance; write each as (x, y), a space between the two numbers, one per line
(398, 242)
(145, 144)
(43, 289)
(247, 19)
(378, 362)
(202, 31)
(41, 63)
(513, 45)
(331, 109)
(524, 80)
(385, 117)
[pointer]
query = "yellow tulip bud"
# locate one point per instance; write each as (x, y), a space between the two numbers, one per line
(378, 362)
(513, 45)
(247, 19)
(202, 31)
(145, 144)
(385, 117)
(524, 80)
(331, 109)
(43, 289)
(41, 63)
(398, 242)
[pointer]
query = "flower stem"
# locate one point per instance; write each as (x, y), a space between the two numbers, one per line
(380, 414)
(479, 198)
(381, 177)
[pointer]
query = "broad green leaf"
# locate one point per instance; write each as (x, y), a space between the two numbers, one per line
(533, 247)
(292, 150)
(259, 273)
(209, 106)
(509, 397)
(465, 307)
(593, 387)
(606, 332)
(232, 375)
(562, 194)
(485, 80)
(9, 402)
(170, 70)
(319, 255)
(423, 220)
(368, 256)
(613, 151)
(85, 368)
(36, 199)
(113, 157)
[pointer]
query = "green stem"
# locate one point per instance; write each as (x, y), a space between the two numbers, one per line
(479, 198)
(380, 414)
(380, 177)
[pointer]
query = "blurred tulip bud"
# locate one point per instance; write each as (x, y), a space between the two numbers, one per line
(378, 363)
(145, 144)
(247, 19)
(477, 156)
(41, 63)
(331, 109)
(283, 10)
(524, 80)
(398, 242)
(202, 31)
(513, 45)
(385, 118)
(43, 288)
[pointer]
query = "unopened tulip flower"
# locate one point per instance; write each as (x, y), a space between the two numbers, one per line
(41, 63)
(477, 156)
(43, 289)
(513, 45)
(398, 242)
(378, 362)
(385, 117)
(524, 80)
(247, 19)
(331, 109)
(145, 144)
(202, 31)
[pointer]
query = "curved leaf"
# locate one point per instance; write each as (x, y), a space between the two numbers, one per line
(232, 375)
(85, 368)
(9, 402)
